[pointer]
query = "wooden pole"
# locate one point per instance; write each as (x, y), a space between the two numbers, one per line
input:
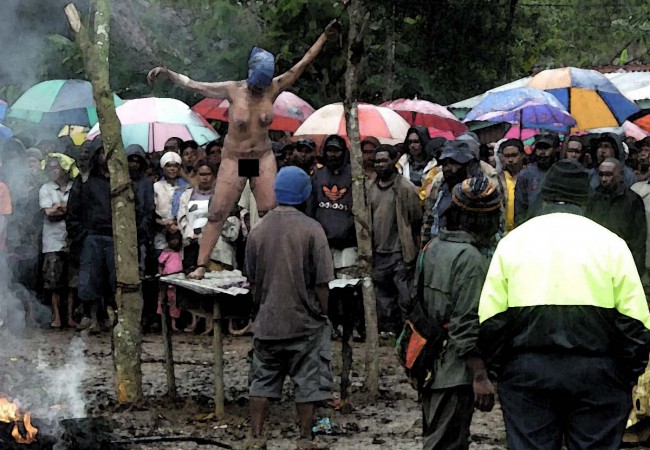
(217, 348)
(127, 337)
(359, 18)
(165, 320)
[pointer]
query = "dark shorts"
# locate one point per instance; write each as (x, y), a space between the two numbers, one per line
(55, 274)
(306, 360)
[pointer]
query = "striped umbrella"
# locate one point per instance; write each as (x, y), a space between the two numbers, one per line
(428, 114)
(149, 122)
(382, 123)
(289, 111)
(592, 100)
(58, 102)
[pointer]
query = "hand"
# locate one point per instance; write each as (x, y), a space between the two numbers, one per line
(173, 227)
(153, 73)
(63, 209)
(483, 393)
(333, 29)
(197, 274)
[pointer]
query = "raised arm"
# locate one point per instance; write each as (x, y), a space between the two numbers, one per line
(220, 89)
(286, 80)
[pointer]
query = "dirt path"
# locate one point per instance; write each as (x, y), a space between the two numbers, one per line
(393, 422)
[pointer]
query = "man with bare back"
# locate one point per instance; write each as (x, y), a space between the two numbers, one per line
(247, 147)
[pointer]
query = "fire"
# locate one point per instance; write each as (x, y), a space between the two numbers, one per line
(9, 412)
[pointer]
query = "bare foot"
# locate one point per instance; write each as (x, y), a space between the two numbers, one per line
(197, 274)
(208, 331)
(56, 324)
(72, 323)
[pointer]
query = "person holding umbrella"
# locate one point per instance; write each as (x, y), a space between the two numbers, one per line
(247, 147)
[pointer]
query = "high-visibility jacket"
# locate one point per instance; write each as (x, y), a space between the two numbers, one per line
(561, 283)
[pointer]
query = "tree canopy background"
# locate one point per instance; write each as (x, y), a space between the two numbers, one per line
(444, 50)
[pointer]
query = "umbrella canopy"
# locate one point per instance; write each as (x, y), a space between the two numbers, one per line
(149, 122)
(289, 111)
(382, 123)
(58, 102)
(5, 133)
(527, 107)
(643, 122)
(428, 114)
(587, 95)
(640, 96)
(3, 109)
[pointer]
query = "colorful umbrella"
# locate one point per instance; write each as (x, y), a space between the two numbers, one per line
(643, 122)
(382, 123)
(3, 109)
(428, 114)
(640, 96)
(58, 102)
(149, 122)
(588, 96)
(289, 111)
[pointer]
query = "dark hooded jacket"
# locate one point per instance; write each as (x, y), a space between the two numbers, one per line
(143, 189)
(629, 178)
(415, 170)
(331, 200)
(89, 203)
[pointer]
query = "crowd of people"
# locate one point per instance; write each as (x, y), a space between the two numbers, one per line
(438, 208)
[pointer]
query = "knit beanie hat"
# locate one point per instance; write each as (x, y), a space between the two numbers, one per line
(566, 181)
(292, 186)
(476, 195)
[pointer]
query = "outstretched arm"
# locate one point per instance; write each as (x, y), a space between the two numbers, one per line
(286, 80)
(219, 89)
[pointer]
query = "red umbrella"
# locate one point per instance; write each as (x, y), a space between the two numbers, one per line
(289, 111)
(428, 114)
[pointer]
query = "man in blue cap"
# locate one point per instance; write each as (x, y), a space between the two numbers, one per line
(289, 266)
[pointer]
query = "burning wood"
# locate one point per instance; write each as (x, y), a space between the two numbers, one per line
(9, 412)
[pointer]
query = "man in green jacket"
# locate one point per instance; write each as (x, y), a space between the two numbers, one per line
(564, 324)
(450, 275)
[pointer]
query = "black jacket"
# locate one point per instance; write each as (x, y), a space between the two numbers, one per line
(621, 212)
(143, 190)
(89, 208)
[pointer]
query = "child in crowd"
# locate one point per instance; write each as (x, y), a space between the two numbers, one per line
(170, 261)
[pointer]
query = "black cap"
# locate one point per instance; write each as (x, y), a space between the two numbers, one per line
(459, 151)
(551, 139)
(306, 142)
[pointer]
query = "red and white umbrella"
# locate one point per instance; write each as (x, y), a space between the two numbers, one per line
(289, 111)
(382, 123)
(149, 122)
(427, 114)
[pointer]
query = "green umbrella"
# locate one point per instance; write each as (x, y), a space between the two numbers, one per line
(58, 102)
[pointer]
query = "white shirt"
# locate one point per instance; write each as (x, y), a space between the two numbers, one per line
(54, 232)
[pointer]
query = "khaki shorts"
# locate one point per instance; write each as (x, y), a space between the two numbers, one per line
(306, 360)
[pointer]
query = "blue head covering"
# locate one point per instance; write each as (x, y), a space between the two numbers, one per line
(261, 67)
(292, 186)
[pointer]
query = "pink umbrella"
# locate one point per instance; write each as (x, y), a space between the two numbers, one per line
(428, 114)
(635, 131)
(289, 111)
(382, 123)
(149, 122)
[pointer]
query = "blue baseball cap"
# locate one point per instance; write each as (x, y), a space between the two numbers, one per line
(292, 186)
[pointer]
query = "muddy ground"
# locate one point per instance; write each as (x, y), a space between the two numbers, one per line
(393, 422)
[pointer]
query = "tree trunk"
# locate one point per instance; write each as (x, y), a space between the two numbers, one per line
(360, 209)
(127, 338)
(389, 68)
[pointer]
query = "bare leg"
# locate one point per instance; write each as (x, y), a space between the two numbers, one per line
(262, 186)
(56, 303)
(259, 410)
(227, 191)
(191, 327)
(71, 322)
(305, 418)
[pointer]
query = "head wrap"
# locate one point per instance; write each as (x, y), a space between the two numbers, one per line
(34, 153)
(68, 164)
(566, 181)
(261, 67)
(170, 157)
(292, 186)
(476, 195)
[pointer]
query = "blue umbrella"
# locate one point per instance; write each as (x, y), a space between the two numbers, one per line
(3, 109)
(5, 133)
(527, 107)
